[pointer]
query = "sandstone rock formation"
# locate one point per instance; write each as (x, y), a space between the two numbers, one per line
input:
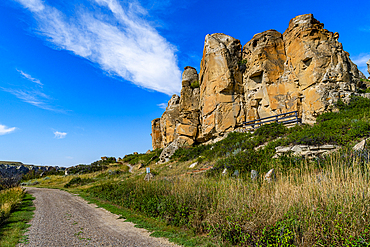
(156, 134)
(318, 64)
(220, 86)
(305, 69)
(368, 66)
(188, 122)
(168, 121)
(265, 94)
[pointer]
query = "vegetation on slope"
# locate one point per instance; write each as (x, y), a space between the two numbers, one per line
(9, 200)
(329, 207)
(12, 230)
(320, 202)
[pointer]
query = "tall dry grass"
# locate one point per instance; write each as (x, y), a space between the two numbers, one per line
(9, 200)
(305, 206)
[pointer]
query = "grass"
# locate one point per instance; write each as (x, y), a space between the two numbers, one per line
(319, 202)
(178, 235)
(323, 202)
(145, 159)
(12, 230)
(9, 200)
(306, 207)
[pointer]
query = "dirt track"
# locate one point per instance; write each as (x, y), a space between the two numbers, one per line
(63, 219)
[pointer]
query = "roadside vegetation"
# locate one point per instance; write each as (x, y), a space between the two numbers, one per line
(324, 201)
(9, 200)
(16, 210)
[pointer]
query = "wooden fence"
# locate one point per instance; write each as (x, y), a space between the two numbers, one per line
(284, 118)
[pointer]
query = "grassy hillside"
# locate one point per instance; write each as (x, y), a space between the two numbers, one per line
(11, 163)
(313, 202)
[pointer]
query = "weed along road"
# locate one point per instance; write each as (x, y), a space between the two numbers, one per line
(63, 219)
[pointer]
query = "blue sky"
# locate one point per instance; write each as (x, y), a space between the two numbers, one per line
(81, 79)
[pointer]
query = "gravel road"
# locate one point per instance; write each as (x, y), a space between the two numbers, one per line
(63, 219)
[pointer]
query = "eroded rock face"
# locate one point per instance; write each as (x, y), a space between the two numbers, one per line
(221, 86)
(368, 66)
(305, 69)
(170, 150)
(265, 95)
(168, 121)
(319, 66)
(156, 134)
(188, 122)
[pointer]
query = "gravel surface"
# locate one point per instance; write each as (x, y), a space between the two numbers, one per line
(63, 219)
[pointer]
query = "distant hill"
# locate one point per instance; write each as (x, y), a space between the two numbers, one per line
(11, 163)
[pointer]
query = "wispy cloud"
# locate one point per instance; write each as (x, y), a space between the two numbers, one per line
(33, 94)
(365, 29)
(33, 97)
(30, 78)
(6, 130)
(115, 37)
(59, 135)
(361, 61)
(162, 105)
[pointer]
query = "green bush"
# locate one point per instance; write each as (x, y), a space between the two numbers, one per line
(77, 181)
(195, 84)
(96, 166)
(243, 62)
(146, 159)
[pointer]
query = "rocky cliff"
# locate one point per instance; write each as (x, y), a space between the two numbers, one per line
(305, 69)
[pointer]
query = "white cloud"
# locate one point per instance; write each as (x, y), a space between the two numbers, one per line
(33, 5)
(33, 97)
(5, 130)
(162, 105)
(361, 60)
(59, 135)
(118, 40)
(30, 78)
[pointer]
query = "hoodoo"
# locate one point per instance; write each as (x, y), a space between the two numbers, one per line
(305, 69)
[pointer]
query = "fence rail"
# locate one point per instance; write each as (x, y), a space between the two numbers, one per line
(284, 118)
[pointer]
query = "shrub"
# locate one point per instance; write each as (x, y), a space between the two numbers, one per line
(244, 61)
(78, 181)
(195, 84)
(134, 159)
(271, 131)
(96, 166)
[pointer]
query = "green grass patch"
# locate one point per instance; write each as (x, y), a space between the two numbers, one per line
(13, 229)
(9, 200)
(159, 228)
(146, 159)
(78, 181)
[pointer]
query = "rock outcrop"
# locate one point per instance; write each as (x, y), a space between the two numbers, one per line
(221, 86)
(156, 134)
(368, 66)
(305, 69)
(188, 122)
(168, 121)
(318, 64)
